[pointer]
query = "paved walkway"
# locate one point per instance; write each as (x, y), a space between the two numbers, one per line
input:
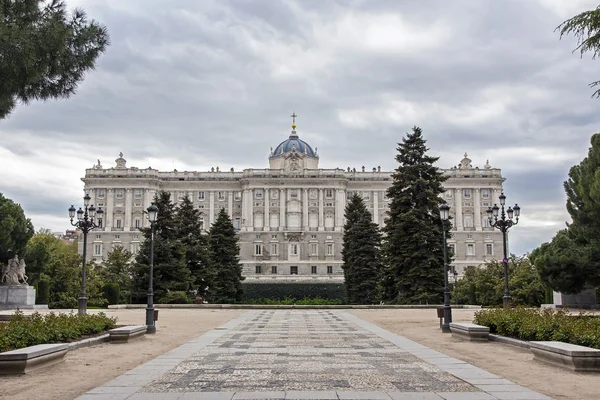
(310, 354)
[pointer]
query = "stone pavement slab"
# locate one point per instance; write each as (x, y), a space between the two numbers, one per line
(306, 354)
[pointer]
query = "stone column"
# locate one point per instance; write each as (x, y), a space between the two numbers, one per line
(282, 201)
(128, 209)
(376, 207)
(211, 207)
(305, 209)
(267, 220)
(92, 193)
(250, 204)
(477, 200)
(339, 209)
(230, 204)
(458, 216)
(108, 212)
(321, 213)
(244, 207)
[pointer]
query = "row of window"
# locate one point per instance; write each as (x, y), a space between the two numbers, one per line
(489, 249)
(260, 249)
(119, 193)
(468, 193)
(293, 269)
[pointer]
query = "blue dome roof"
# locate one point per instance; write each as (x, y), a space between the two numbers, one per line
(294, 143)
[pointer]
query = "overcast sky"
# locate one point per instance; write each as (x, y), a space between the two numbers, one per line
(195, 84)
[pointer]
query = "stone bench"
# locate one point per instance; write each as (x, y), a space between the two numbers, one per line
(470, 332)
(566, 355)
(27, 359)
(126, 333)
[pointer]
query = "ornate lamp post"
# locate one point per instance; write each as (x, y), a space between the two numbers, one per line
(444, 215)
(87, 219)
(152, 212)
(503, 222)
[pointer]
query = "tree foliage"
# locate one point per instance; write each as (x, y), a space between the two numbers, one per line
(571, 261)
(117, 270)
(485, 285)
(413, 245)
(586, 28)
(227, 286)
(361, 254)
(197, 250)
(44, 51)
(170, 270)
(15, 229)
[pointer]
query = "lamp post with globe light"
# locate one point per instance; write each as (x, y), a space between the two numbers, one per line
(88, 219)
(503, 220)
(152, 213)
(444, 216)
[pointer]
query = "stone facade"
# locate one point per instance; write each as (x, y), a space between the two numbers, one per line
(289, 216)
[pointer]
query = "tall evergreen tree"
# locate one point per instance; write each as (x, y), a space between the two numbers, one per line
(226, 258)
(171, 272)
(361, 254)
(413, 247)
(197, 249)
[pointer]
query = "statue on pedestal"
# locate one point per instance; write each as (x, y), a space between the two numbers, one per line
(14, 272)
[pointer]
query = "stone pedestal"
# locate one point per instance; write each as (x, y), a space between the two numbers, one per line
(18, 296)
(585, 299)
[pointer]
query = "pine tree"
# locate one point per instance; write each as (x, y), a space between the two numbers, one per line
(361, 254)
(170, 270)
(197, 250)
(45, 52)
(226, 258)
(413, 247)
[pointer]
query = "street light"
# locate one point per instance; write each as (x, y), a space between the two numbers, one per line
(152, 213)
(445, 215)
(503, 222)
(88, 218)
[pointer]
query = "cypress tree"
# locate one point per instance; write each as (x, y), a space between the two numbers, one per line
(413, 247)
(197, 250)
(361, 254)
(171, 272)
(226, 258)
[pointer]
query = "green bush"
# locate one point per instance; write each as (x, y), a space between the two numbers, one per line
(281, 291)
(64, 301)
(316, 301)
(547, 324)
(23, 331)
(175, 297)
(43, 291)
(111, 293)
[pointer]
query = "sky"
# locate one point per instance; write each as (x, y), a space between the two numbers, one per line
(198, 84)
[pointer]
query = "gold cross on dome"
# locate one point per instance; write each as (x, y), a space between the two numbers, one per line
(293, 120)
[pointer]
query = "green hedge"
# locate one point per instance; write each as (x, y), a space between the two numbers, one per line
(43, 291)
(296, 291)
(547, 324)
(315, 301)
(34, 329)
(111, 293)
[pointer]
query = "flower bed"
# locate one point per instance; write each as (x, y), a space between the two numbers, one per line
(546, 325)
(36, 328)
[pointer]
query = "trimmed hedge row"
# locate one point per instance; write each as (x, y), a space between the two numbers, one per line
(36, 328)
(545, 325)
(297, 291)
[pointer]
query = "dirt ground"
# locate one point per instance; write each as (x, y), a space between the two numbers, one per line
(510, 362)
(89, 367)
(86, 368)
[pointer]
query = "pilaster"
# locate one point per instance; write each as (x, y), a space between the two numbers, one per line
(321, 212)
(376, 207)
(128, 209)
(477, 216)
(230, 204)
(458, 210)
(305, 209)
(266, 217)
(282, 201)
(211, 207)
(108, 213)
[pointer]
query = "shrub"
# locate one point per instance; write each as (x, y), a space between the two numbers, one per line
(175, 297)
(111, 293)
(547, 324)
(43, 291)
(63, 301)
(281, 291)
(23, 331)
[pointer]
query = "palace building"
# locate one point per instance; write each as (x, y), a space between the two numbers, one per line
(289, 216)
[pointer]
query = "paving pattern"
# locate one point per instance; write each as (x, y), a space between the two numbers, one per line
(306, 354)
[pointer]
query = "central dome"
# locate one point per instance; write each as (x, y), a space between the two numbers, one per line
(294, 142)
